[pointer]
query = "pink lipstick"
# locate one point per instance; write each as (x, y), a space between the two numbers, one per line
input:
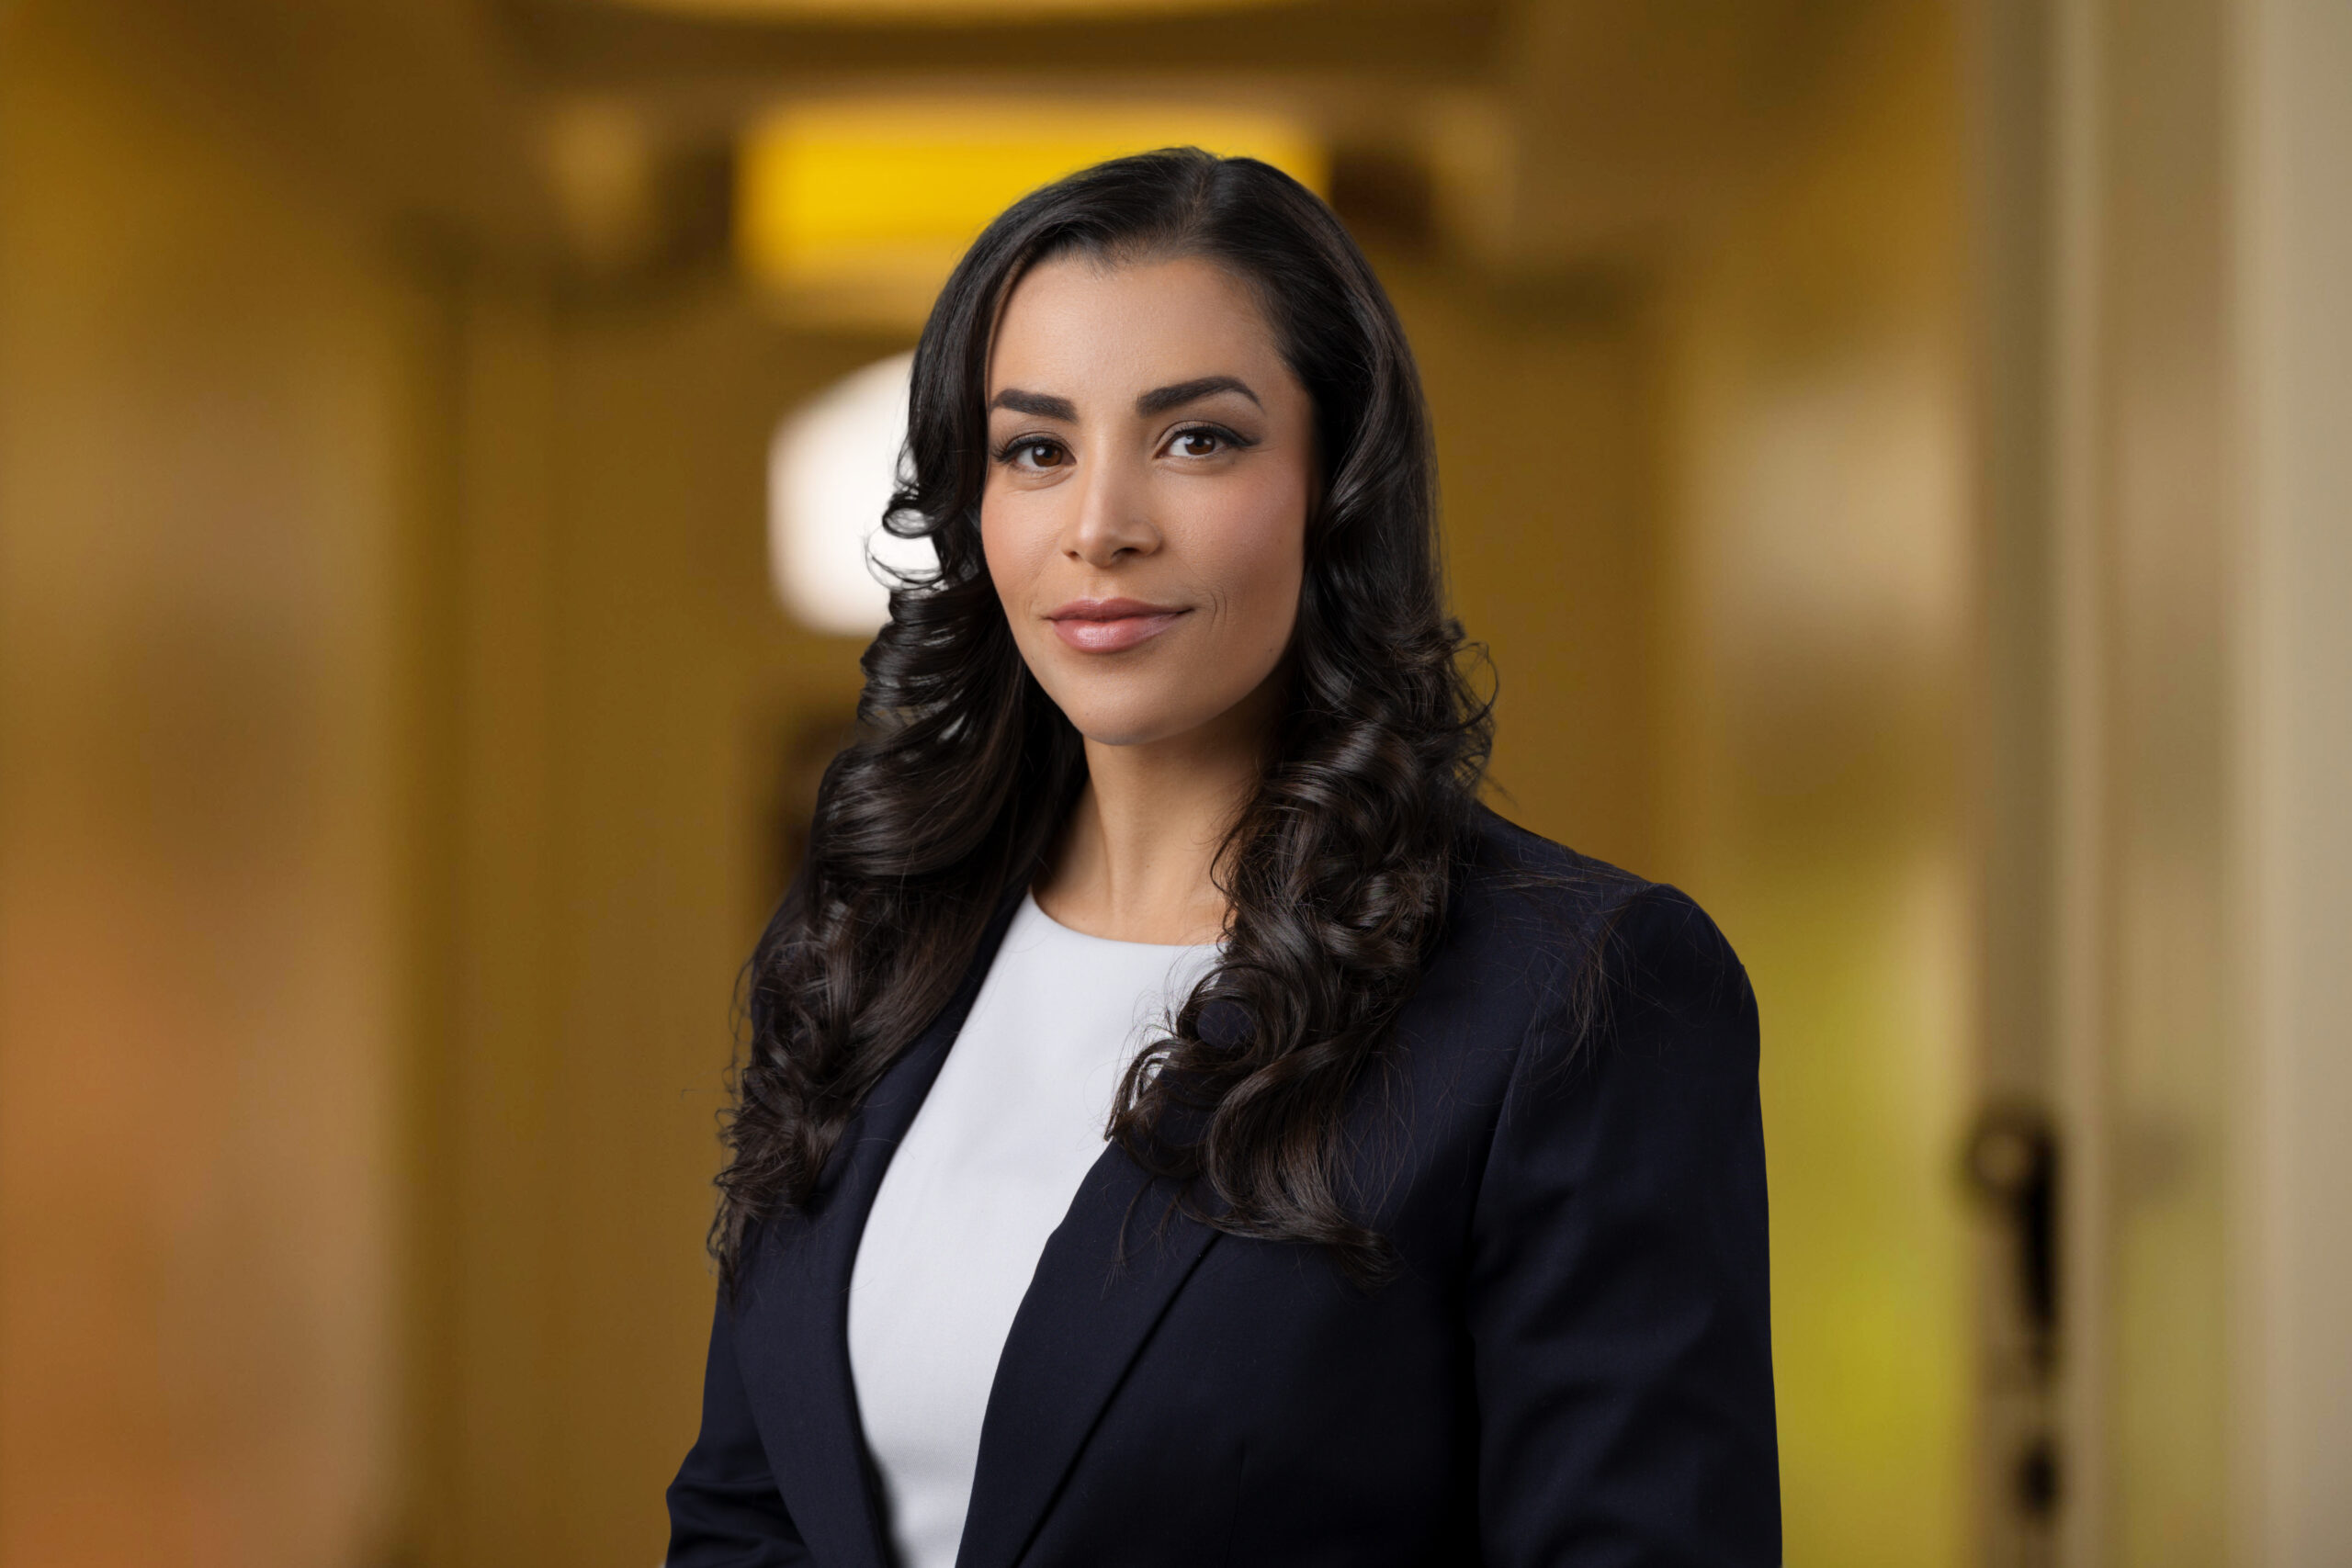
(1112, 625)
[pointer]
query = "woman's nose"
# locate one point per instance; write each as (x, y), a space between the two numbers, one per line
(1113, 516)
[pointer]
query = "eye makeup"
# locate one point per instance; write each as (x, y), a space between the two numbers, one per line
(1007, 452)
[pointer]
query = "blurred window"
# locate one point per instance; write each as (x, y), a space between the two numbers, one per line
(830, 471)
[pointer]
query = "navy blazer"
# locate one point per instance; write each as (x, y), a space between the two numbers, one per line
(1572, 1368)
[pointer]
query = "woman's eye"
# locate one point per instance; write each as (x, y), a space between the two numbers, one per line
(1198, 443)
(1034, 453)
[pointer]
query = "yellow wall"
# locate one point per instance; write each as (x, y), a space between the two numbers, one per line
(1817, 690)
(621, 693)
(209, 400)
(1546, 459)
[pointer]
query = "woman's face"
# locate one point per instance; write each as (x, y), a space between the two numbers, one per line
(1151, 463)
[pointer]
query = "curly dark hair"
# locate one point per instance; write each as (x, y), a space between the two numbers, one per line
(1338, 869)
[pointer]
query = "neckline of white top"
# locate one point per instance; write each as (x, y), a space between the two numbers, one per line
(1030, 905)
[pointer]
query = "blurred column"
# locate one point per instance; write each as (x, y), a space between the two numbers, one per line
(2292, 1363)
(2198, 342)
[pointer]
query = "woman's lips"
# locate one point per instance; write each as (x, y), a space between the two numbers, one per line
(1110, 626)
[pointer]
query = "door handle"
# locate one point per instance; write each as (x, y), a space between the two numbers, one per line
(2011, 1164)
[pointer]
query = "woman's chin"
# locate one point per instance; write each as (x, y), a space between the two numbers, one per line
(1133, 723)
(1127, 731)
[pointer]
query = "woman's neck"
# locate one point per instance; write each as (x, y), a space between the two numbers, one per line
(1136, 861)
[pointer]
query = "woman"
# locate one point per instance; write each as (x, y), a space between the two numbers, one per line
(1428, 1225)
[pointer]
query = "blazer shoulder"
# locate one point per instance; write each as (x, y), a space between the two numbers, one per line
(1516, 879)
(1497, 848)
(1613, 940)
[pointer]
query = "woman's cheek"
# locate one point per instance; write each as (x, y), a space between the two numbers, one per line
(1272, 569)
(1010, 553)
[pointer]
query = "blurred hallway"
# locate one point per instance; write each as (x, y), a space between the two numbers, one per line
(1919, 421)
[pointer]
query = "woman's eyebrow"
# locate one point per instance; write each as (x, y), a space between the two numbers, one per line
(1160, 399)
(1037, 405)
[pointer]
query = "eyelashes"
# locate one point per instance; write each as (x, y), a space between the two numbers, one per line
(1018, 444)
(1231, 440)
(1228, 439)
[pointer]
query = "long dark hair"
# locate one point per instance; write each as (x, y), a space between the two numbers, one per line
(1338, 870)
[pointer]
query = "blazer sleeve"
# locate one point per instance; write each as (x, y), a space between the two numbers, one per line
(725, 1510)
(1618, 1300)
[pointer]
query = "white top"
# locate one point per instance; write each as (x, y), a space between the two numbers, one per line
(986, 1171)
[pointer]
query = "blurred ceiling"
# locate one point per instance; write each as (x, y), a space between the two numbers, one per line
(855, 208)
(932, 11)
(1521, 138)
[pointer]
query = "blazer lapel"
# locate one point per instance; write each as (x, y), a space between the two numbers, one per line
(1103, 1284)
(793, 1335)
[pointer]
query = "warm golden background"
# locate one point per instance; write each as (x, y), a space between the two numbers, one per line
(1895, 450)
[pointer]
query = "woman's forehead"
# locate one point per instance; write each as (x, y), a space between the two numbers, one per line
(1121, 328)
